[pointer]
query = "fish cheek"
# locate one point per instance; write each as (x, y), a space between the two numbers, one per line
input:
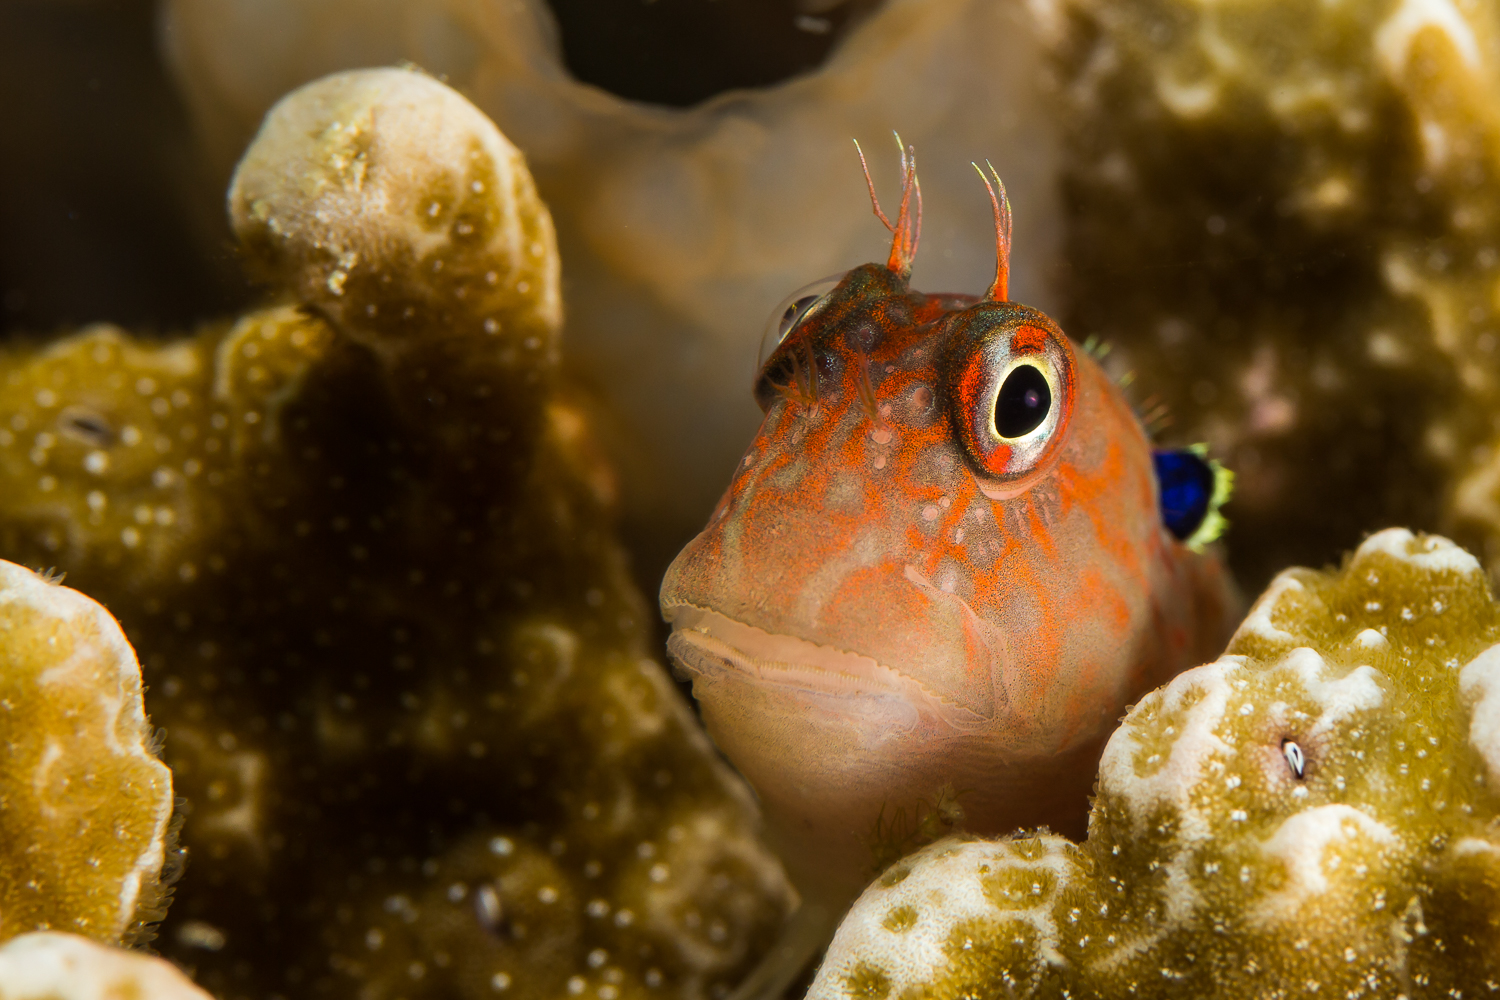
(953, 577)
(848, 494)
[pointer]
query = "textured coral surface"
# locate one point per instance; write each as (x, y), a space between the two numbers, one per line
(361, 542)
(1314, 814)
(84, 802)
(1285, 212)
(52, 966)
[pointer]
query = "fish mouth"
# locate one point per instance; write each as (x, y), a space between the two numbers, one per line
(706, 644)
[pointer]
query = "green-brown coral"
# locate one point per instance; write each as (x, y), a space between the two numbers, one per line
(1314, 814)
(1285, 213)
(84, 802)
(361, 541)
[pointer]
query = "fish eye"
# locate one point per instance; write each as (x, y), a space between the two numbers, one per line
(1295, 759)
(1010, 375)
(790, 313)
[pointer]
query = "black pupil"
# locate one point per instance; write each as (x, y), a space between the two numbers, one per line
(1024, 401)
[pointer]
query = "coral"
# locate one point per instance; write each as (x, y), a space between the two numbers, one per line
(52, 966)
(683, 227)
(1313, 814)
(84, 802)
(1284, 213)
(362, 541)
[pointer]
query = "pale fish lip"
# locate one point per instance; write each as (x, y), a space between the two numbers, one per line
(705, 643)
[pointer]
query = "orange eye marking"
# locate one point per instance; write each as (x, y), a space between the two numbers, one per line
(1028, 340)
(971, 387)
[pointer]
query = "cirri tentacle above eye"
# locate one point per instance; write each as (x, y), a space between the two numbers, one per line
(943, 563)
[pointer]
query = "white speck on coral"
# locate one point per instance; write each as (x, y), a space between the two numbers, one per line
(1187, 100)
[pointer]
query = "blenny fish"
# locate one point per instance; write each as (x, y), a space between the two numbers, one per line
(941, 572)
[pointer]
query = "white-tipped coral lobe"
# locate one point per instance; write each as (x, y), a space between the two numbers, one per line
(52, 966)
(84, 802)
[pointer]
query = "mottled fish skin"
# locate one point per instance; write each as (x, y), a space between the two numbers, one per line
(889, 599)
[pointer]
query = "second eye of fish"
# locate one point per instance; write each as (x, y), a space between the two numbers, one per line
(793, 313)
(1023, 402)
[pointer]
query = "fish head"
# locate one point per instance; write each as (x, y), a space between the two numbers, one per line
(936, 490)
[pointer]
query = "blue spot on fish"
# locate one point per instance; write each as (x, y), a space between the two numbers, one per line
(1187, 479)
